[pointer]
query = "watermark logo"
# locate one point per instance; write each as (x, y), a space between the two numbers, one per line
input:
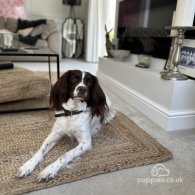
(159, 170)
(160, 174)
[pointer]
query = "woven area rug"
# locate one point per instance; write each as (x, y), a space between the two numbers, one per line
(121, 144)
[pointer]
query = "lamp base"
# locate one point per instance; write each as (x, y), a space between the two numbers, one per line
(164, 71)
(171, 75)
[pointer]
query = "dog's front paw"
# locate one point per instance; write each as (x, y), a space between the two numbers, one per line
(48, 173)
(26, 169)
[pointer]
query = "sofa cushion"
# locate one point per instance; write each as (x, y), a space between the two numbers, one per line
(25, 32)
(38, 30)
(2, 22)
(41, 43)
(49, 29)
(6, 37)
(11, 24)
(22, 24)
(50, 22)
(20, 84)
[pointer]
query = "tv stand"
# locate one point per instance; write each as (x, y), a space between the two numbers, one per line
(170, 104)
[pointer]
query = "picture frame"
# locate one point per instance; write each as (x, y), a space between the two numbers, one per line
(187, 58)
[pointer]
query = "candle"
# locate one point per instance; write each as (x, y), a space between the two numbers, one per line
(173, 32)
(184, 14)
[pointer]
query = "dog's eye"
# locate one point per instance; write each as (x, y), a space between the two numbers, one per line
(89, 80)
(74, 79)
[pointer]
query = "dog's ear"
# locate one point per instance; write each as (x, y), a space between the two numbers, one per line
(97, 100)
(60, 92)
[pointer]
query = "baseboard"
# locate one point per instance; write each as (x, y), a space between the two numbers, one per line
(165, 118)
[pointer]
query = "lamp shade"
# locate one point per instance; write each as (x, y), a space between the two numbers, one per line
(72, 2)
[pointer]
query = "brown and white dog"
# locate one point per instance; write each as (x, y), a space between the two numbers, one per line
(81, 109)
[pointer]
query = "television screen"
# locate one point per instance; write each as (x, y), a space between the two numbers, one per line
(145, 13)
(72, 2)
(141, 26)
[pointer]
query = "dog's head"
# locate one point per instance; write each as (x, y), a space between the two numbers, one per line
(82, 86)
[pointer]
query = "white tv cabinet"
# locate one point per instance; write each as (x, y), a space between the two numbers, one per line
(170, 104)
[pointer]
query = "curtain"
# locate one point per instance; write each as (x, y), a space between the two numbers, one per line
(99, 15)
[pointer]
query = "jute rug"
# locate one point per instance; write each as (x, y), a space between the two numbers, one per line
(121, 144)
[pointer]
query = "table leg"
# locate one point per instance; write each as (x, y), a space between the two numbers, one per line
(49, 64)
(58, 67)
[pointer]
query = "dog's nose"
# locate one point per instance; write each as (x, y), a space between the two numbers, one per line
(82, 89)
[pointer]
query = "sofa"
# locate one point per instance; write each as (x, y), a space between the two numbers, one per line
(33, 34)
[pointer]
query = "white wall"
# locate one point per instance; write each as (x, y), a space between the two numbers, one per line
(54, 9)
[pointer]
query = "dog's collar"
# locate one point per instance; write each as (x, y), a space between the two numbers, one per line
(68, 113)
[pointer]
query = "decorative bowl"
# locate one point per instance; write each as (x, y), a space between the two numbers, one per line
(120, 54)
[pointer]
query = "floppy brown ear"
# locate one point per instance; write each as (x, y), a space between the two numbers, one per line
(60, 92)
(97, 100)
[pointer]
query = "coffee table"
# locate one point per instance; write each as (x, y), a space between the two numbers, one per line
(35, 53)
(36, 104)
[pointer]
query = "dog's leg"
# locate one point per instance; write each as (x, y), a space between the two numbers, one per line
(109, 116)
(27, 168)
(51, 171)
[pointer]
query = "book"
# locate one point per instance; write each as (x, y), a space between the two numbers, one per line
(9, 49)
(6, 65)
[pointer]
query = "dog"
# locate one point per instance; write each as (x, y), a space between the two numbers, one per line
(81, 109)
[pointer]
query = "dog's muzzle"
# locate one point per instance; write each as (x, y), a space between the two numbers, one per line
(81, 93)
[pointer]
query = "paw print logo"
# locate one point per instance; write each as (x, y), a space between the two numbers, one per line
(159, 170)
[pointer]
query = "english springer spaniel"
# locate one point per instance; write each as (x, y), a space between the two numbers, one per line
(81, 109)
